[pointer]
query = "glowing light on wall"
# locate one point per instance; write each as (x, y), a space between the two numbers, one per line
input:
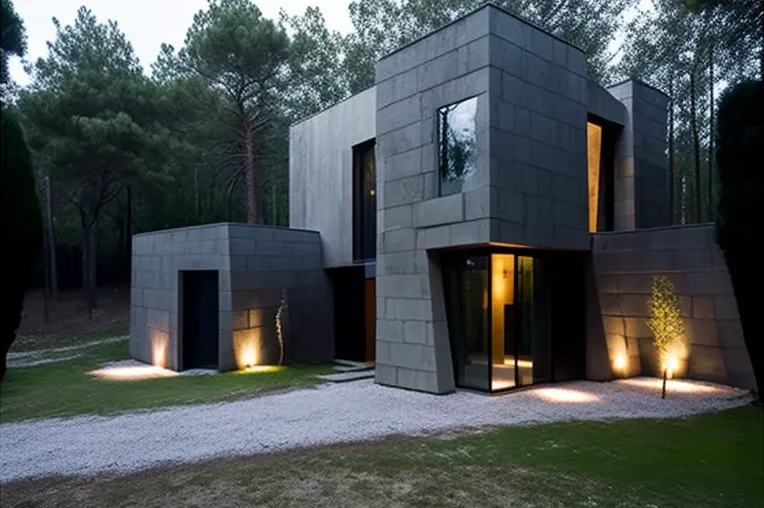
(594, 159)
(671, 365)
(620, 362)
(247, 347)
(158, 347)
(564, 395)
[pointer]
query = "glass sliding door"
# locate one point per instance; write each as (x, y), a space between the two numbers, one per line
(502, 321)
(497, 307)
(467, 298)
(525, 325)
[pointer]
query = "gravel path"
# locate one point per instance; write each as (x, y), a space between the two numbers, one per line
(329, 414)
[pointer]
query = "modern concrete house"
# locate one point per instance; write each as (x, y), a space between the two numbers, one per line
(485, 217)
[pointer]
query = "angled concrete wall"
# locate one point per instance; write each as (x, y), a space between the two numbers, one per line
(256, 265)
(448, 66)
(624, 264)
(641, 169)
(321, 172)
(539, 193)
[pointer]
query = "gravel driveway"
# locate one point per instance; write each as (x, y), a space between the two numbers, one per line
(331, 413)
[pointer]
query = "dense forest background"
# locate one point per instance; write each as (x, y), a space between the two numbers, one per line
(201, 135)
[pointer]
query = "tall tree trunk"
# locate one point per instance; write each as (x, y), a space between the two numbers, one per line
(695, 144)
(273, 203)
(671, 175)
(197, 218)
(51, 240)
(129, 231)
(46, 272)
(711, 133)
(88, 264)
(253, 178)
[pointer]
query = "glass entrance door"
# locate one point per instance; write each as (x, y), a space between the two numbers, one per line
(498, 319)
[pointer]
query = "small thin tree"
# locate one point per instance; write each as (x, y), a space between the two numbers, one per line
(665, 320)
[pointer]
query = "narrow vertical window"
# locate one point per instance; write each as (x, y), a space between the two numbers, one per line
(364, 202)
(594, 161)
(456, 145)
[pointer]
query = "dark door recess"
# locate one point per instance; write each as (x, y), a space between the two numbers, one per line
(200, 319)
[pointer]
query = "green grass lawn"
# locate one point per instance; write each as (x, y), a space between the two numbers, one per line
(66, 388)
(713, 460)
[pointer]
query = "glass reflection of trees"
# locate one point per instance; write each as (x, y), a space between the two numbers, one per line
(456, 145)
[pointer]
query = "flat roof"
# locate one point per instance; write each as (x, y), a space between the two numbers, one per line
(478, 9)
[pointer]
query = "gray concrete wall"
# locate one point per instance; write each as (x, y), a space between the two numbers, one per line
(157, 259)
(265, 263)
(256, 265)
(601, 103)
(641, 169)
(539, 193)
(624, 264)
(449, 65)
(321, 172)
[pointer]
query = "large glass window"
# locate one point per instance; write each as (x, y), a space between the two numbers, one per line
(498, 316)
(467, 286)
(364, 202)
(456, 145)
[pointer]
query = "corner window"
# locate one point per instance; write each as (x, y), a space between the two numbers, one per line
(456, 145)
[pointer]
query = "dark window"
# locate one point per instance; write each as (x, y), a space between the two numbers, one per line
(364, 202)
(456, 145)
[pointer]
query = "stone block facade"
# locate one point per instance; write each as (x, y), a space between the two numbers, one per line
(641, 166)
(624, 265)
(256, 267)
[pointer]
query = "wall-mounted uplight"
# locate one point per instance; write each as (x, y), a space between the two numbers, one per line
(620, 363)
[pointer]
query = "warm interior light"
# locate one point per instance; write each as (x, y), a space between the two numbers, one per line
(502, 293)
(564, 395)
(522, 364)
(593, 155)
(131, 373)
(674, 385)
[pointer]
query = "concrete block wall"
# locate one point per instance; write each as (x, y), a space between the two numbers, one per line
(256, 265)
(321, 172)
(157, 260)
(266, 264)
(641, 168)
(624, 264)
(538, 111)
(448, 66)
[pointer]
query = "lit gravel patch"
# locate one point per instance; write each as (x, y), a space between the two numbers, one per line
(333, 413)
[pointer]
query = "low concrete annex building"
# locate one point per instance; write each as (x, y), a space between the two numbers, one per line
(486, 216)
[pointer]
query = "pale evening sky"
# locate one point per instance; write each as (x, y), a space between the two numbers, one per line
(146, 23)
(149, 23)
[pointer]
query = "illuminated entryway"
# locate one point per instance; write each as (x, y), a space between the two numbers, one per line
(500, 308)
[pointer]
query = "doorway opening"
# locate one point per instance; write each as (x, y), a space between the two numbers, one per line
(199, 319)
(501, 307)
(355, 309)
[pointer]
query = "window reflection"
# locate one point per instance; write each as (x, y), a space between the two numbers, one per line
(456, 145)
